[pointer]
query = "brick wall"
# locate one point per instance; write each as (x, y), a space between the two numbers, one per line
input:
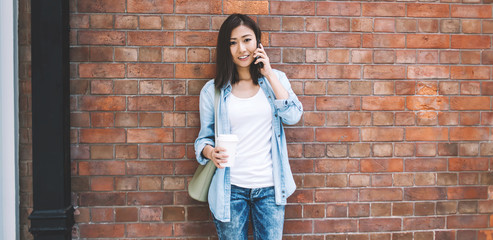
(25, 118)
(394, 142)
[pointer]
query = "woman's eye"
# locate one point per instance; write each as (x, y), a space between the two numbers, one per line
(232, 43)
(248, 40)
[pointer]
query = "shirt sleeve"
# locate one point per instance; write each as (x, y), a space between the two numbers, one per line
(291, 109)
(206, 110)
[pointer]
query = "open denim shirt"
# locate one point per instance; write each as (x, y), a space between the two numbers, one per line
(287, 111)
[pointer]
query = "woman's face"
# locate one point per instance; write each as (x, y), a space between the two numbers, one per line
(242, 45)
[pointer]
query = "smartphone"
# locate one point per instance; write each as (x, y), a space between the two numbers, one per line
(260, 64)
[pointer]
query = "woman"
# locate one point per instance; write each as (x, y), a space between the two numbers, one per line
(254, 102)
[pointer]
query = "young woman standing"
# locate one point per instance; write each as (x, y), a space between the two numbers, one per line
(254, 103)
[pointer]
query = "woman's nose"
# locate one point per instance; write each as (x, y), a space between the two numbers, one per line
(242, 47)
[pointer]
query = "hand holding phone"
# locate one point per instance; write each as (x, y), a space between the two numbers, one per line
(260, 64)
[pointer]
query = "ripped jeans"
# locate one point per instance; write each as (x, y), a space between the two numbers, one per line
(267, 217)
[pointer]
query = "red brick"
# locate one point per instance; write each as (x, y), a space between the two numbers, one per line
(102, 230)
(428, 41)
(426, 134)
(382, 134)
(195, 71)
(384, 25)
(102, 215)
(292, 8)
(470, 72)
(260, 7)
(102, 135)
(380, 194)
(359, 210)
(427, 72)
(338, 9)
(95, 168)
(102, 199)
(337, 134)
(339, 56)
(471, 42)
(199, 6)
(297, 226)
(467, 193)
(362, 24)
(157, 135)
(471, 11)
(150, 103)
(101, 21)
(426, 165)
(299, 135)
(150, 38)
(384, 9)
(382, 165)
(384, 40)
(467, 221)
(428, 10)
(425, 193)
(292, 40)
(339, 25)
(102, 184)
(339, 71)
(149, 229)
(127, 214)
(101, 70)
(150, 6)
(101, 38)
(297, 71)
(150, 70)
(336, 195)
(196, 39)
(335, 40)
(379, 225)
(470, 103)
(469, 134)
(427, 103)
(336, 165)
(471, 57)
(485, 234)
(97, 6)
(194, 229)
(126, 22)
(186, 135)
(383, 103)
(468, 164)
(174, 151)
(422, 223)
(384, 72)
(338, 103)
(149, 198)
(301, 196)
(335, 226)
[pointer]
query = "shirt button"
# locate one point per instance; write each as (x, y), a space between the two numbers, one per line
(279, 135)
(275, 115)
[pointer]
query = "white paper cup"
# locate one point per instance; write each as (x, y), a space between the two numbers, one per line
(228, 142)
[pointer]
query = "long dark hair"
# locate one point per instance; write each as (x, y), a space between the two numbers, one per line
(225, 67)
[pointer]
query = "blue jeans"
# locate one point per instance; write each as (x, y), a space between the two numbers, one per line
(267, 217)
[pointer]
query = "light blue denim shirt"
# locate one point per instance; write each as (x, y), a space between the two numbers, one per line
(287, 111)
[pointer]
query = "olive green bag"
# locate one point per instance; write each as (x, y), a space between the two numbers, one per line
(198, 188)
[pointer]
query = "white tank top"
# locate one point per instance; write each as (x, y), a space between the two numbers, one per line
(251, 121)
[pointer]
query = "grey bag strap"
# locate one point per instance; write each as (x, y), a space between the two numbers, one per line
(217, 95)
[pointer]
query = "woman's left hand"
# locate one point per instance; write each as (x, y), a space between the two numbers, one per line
(263, 58)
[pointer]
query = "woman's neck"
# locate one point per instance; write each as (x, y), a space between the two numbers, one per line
(244, 74)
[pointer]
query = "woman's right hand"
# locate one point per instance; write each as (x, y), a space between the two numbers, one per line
(218, 157)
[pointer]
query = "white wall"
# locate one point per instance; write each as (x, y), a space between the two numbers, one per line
(9, 197)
